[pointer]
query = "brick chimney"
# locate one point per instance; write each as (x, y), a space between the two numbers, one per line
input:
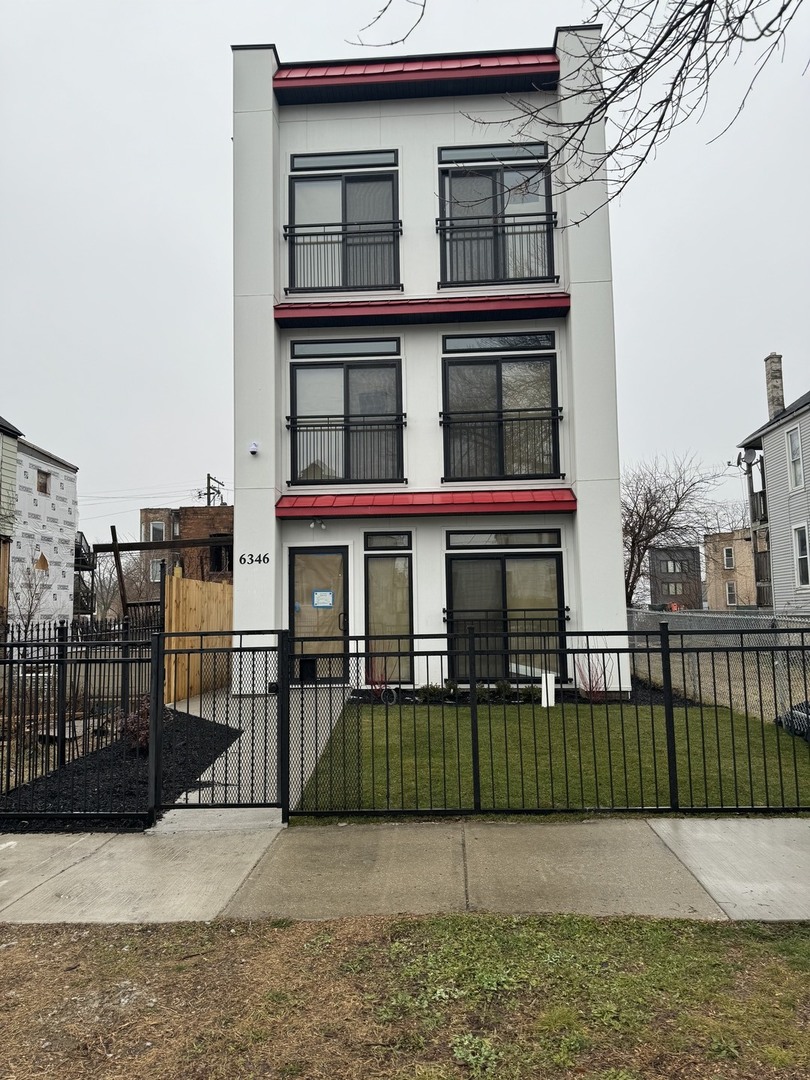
(773, 384)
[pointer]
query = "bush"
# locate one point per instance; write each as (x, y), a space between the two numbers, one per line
(430, 694)
(133, 727)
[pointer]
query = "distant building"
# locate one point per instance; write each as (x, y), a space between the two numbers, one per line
(730, 580)
(164, 524)
(43, 538)
(675, 578)
(776, 458)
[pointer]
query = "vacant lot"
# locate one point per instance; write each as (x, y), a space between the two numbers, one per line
(433, 998)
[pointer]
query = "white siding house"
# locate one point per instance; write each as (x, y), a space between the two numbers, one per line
(425, 392)
(44, 537)
(780, 505)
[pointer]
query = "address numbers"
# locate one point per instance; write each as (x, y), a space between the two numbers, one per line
(247, 558)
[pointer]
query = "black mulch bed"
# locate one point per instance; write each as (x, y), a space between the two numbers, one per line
(115, 780)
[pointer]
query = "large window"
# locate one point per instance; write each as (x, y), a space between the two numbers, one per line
(514, 603)
(389, 617)
(496, 220)
(800, 551)
(347, 419)
(500, 417)
(794, 454)
(343, 231)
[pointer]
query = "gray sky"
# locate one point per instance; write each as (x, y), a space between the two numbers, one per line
(115, 219)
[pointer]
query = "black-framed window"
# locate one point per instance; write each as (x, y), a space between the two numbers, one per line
(503, 538)
(500, 418)
(495, 218)
(344, 228)
(389, 619)
(387, 541)
(346, 422)
(514, 603)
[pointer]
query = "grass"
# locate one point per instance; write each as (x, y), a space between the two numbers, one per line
(439, 998)
(571, 756)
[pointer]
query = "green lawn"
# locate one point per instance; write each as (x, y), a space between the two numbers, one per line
(571, 756)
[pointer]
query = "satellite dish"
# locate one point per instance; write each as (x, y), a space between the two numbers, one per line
(739, 459)
(750, 455)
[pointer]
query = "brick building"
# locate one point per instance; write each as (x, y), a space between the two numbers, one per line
(163, 524)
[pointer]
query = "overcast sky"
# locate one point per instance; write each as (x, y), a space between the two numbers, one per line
(115, 236)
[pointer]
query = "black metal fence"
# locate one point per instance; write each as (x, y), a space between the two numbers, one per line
(655, 721)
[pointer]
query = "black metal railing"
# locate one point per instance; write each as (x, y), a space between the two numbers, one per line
(337, 449)
(336, 255)
(84, 558)
(509, 247)
(501, 444)
(652, 721)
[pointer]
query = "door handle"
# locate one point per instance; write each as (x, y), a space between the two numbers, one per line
(342, 621)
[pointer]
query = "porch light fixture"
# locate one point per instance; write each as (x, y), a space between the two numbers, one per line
(317, 521)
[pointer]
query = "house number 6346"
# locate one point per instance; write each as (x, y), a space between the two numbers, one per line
(247, 558)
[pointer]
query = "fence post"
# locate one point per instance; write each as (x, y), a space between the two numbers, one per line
(283, 724)
(155, 792)
(125, 654)
(669, 718)
(476, 764)
(61, 692)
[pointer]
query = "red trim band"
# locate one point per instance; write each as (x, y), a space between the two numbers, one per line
(428, 503)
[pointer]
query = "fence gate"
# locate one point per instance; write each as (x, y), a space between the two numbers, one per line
(217, 722)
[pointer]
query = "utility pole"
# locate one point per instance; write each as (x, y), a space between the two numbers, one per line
(213, 489)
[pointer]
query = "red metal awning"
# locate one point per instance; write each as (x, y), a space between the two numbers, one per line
(549, 305)
(428, 503)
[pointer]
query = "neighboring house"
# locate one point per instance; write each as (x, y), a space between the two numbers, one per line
(730, 580)
(675, 578)
(8, 505)
(777, 461)
(425, 393)
(44, 537)
(213, 562)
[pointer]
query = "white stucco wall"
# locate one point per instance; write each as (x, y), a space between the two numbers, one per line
(265, 135)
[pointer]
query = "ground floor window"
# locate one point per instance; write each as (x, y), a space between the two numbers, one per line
(514, 602)
(389, 609)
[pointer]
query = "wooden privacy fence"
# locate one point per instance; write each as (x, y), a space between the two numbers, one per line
(196, 607)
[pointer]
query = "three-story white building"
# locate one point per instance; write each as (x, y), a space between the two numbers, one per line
(425, 391)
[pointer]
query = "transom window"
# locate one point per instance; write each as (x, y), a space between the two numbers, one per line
(496, 220)
(347, 418)
(344, 231)
(501, 417)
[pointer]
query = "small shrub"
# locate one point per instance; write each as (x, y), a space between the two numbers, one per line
(133, 727)
(531, 694)
(430, 694)
(451, 688)
(502, 690)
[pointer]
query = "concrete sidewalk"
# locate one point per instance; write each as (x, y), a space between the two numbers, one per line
(201, 864)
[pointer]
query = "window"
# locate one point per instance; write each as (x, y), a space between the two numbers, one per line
(801, 555)
(674, 566)
(347, 418)
(731, 593)
(501, 417)
(524, 538)
(514, 603)
(43, 482)
(220, 558)
(344, 231)
(154, 569)
(157, 532)
(389, 609)
(672, 588)
(496, 220)
(794, 454)
(728, 558)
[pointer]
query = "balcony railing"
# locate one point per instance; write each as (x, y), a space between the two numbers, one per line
(83, 558)
(344, 256)
(503, 444)
(340, 449)
(511, 247)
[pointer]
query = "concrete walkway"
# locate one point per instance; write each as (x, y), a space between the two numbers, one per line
(197, 865)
